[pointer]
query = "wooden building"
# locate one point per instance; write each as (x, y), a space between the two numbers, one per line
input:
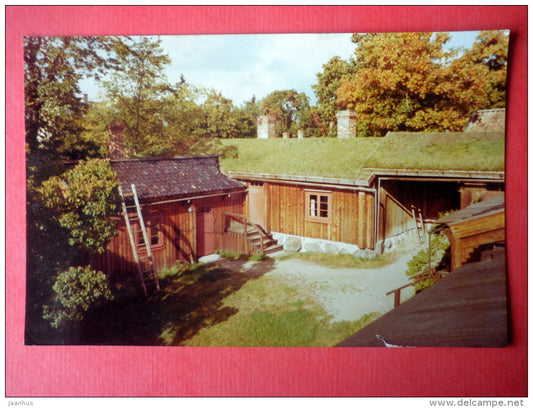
(473, 228)
(184, 201)
(387, 188)
(313, 207)
(468, 307)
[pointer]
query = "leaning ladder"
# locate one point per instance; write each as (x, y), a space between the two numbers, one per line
(419, 222)
(135, 248)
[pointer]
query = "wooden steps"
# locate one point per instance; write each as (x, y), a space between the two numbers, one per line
(261, 242)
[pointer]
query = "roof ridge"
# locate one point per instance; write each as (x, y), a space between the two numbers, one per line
(138, 159)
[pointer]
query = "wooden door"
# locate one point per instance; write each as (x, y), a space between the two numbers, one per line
(205, 231)
(256, 197)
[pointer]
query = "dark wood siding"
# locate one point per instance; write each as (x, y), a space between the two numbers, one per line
(179, 233)
(397, 198)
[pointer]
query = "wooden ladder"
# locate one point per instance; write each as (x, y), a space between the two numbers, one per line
(419, 222)
(139, 258)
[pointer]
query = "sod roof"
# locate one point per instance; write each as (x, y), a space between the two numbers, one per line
(359, 158)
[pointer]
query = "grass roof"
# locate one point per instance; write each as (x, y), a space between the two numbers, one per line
(440, 151)
(322, 157)
(348, 158)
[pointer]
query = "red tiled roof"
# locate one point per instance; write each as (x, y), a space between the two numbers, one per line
(177, 177)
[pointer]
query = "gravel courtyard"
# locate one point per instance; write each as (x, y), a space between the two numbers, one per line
(348, 293)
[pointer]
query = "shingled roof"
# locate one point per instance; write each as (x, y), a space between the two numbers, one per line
(177, 177)
(488, 120)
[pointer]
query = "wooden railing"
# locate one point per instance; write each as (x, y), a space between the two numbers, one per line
(244, 226)
(437, 275)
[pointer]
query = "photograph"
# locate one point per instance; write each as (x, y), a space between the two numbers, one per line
(290, 190)
(247, 202)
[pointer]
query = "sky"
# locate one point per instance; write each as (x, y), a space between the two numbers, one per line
(247, 65)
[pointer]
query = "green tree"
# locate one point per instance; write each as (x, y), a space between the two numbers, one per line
(329, 81)
(247, 118)
(409, 82)
(287, 107)
(83, 200)
(220, 119)
(137, 91)
(76, 290)
(53, 67)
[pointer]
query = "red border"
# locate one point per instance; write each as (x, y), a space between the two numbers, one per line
(160, 371)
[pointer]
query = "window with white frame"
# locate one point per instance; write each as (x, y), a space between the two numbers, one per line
(318, 206)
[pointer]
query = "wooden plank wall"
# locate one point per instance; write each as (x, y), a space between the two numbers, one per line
(352, 214)
(179, 235)
(397, 197)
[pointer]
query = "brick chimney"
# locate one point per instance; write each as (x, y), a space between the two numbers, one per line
(346, 124)
(266, 127)
(116, 140)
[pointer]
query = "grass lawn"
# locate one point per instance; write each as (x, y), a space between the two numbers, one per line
(231, 303)
(332, 260)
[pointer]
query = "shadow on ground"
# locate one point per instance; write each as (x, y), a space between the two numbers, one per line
(186, 303)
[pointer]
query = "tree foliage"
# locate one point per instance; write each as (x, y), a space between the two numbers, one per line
(53, 67)
(219, 117)
(76, 290)
(246, 116)
(289, 108)
(329, 81)
(83, 200)
(137, 91)
(410, 82)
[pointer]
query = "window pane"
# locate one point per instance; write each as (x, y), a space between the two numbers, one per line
(324, 206)
(313, 205)
(155, 228)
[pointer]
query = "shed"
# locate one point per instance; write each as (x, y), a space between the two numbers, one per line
(474, 227)
(183, 201)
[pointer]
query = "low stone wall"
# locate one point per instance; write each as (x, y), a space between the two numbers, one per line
(390, 244)
(293, 243)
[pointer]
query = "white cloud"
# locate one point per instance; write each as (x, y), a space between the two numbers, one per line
(242, 66)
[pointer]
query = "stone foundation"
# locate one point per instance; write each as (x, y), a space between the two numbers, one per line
(293, 243)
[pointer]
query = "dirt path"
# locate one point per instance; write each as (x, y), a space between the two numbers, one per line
(347, 293)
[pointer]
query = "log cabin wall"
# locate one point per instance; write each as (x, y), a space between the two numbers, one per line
(349, 219)
(173, 231)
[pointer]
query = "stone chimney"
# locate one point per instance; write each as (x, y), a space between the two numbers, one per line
(116, 140)
(346, 124)
(266, 127)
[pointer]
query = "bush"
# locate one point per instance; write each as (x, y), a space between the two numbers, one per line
(419, 264)
(76, 291)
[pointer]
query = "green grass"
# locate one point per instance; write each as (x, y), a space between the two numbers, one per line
(320, 157)
(347, 158)
(215, 305)
(331, 260)
(272, 314)
(441, 151)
